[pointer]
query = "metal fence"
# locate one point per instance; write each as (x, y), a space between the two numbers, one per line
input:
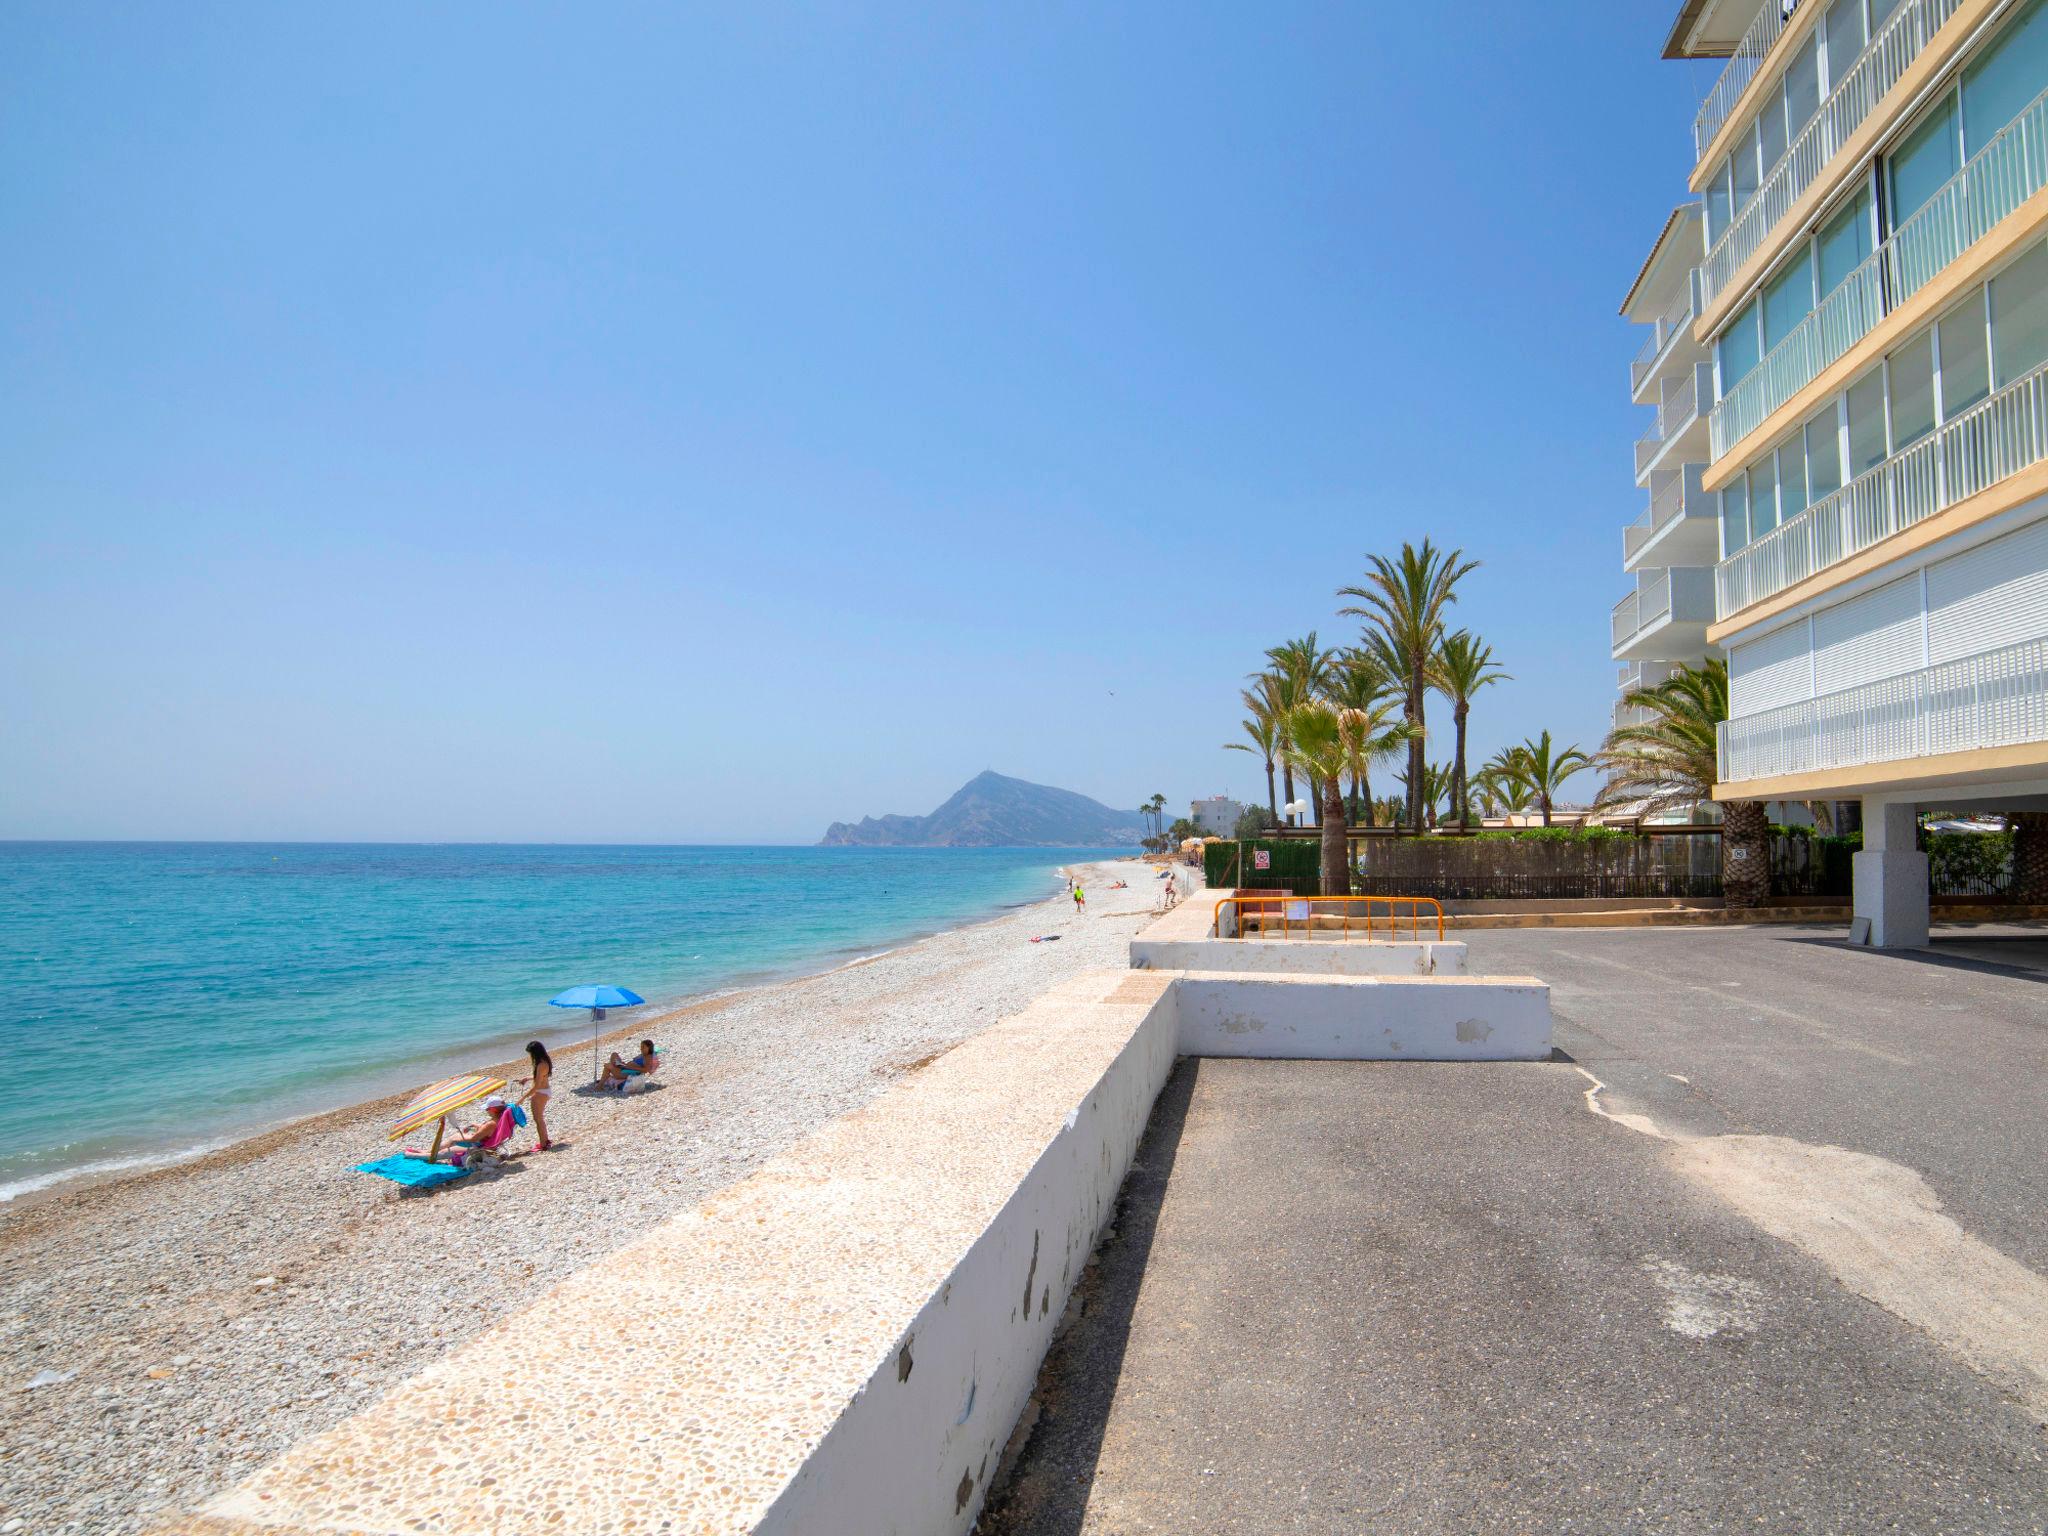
(1513, 869)
(1681, 864)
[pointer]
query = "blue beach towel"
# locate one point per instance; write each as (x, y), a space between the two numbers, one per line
(413, 1172)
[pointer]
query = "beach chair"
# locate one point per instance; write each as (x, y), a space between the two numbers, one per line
(637, 1079)
(413, 1170)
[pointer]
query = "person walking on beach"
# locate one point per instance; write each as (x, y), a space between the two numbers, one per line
(542, 1090)
(1080, 898)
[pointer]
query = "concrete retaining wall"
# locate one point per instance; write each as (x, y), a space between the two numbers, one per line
(914, 1452)
(1300, 957)
(1358, 1018)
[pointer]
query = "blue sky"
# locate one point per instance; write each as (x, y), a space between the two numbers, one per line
(674, 424)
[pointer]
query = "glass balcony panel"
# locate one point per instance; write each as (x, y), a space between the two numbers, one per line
(1965, 357)
(2019, 315)
(1991, 441)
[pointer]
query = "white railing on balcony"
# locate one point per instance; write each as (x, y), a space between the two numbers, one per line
(1991, 184)
(1625, 620)
(1876, 70)
(1650, 602)
(1663, 330)
(1993, 699)
(1667, 503)
(1997, 437)
(1679, 404)
(1762, 34)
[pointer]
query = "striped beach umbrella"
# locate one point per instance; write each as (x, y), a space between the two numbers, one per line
(442, 1100)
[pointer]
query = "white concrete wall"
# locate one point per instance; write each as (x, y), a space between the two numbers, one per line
(914, 1451)
(1364, 1018)
(1301, 957)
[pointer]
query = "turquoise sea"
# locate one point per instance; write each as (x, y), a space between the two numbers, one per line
(159, 998)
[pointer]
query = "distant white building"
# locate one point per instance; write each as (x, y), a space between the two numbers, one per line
(1216, 815)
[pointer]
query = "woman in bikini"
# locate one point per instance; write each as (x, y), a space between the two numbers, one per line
(537, 1096)
(617, 1072)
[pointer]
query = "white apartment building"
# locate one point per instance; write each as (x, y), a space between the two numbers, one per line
(1668, 552)
(1217, 815)
(1865, 333)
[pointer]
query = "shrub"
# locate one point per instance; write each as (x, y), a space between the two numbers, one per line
(1255, 820)
(1553, 835)
(1296, 864)
(1967, 862)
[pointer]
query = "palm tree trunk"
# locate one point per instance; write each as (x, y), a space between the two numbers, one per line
(1411, 710)
(1272, 805)
(1458, 770)
(1336, 852)
(1543, 803)
(1745, 854)
(1365, 794)
(1287, 783)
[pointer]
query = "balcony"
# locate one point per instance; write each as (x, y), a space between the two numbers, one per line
(1991, 184)
(1997, 437)
(1670, 342)
(1638, 674)
(1993, 699)
(1680, 527)
(1679, 434)
(1877, 69)
(1666, 616)
(1762, 35)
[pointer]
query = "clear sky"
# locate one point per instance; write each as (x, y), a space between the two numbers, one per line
(666, 423)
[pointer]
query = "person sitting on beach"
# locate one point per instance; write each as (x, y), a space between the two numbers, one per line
(618, 1073)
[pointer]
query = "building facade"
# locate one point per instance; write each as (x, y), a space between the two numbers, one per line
(1668, 552)
(1216, 816)
(1868, 330)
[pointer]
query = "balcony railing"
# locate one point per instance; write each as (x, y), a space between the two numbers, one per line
(1679, 405)
(1650, 602)
(1991, 184)
(1997, 437)
(1758, 40)
(1678, 315)
(1667, 502)
(1993, 699)
(1877, 69)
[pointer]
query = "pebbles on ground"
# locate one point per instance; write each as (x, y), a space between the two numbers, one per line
(162, 1336)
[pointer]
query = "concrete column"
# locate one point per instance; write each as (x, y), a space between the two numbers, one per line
(1891, 877)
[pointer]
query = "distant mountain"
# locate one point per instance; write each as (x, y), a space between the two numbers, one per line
(991, 811)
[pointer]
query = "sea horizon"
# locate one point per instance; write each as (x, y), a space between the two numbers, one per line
(213, 988)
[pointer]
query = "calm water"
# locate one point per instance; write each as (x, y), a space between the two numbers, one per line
(159, 997)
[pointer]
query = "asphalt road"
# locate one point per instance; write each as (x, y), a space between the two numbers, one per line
(1448, 1298)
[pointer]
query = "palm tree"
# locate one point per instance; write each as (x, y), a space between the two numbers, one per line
(1297, 671)
(1463, 666)
(1359, 683)
(1545, 769)
(1320, 745)
(1436, 789)
(1670, 761)
(1504, 783)
(1403, 602)
(1264, 733)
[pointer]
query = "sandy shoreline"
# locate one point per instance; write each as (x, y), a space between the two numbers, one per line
(213, 1311)
(565, 1043)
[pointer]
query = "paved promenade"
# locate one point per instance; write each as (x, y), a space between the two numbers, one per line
(1401, 1297)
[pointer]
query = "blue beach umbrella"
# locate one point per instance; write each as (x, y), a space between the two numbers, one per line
(596, 999)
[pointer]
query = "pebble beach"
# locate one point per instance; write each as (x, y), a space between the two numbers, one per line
(162, 1335)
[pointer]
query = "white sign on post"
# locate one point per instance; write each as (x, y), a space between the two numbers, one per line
(1262, 858)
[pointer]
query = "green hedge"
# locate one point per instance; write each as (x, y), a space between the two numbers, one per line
(1553, 835)
(1297, 865)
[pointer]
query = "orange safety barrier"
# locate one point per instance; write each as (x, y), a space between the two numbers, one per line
(1371, 917)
